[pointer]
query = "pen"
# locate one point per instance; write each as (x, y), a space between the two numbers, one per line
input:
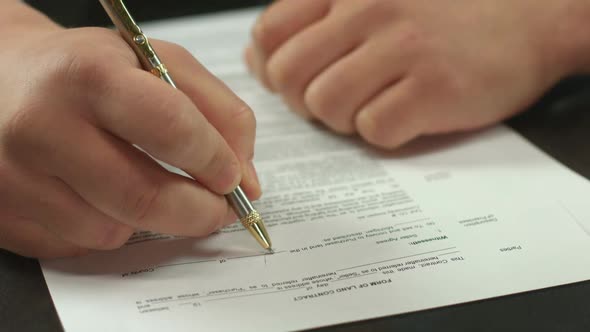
(132, 34)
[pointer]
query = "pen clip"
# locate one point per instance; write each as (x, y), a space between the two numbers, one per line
(136, 38)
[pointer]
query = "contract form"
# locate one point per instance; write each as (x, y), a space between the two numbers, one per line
(358, 233)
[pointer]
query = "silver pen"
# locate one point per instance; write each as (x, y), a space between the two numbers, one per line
(133, 35)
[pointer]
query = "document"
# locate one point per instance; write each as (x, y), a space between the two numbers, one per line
(358, 233)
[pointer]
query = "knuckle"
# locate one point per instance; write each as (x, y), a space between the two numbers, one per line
(77, 61)
(375, 130)
(176, 130)
(264, 31)
(139, 200)
(367, 127)
(365, 10)
(439, 76)
(78, 65)
(22, 129)
(178, 52)
(412, 44)
(410, 39)
(318, 102)
(80, 68)
(382, 132)
(215, 221)
(280, 74)
(17, 128)
(113, 236)
(220, 170)
(321, 104)
(216, 160)
(209, 160)
(245, 119)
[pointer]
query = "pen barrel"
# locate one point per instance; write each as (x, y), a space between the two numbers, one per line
(240, 203)
(122, 19)
(135, 37)
(249, 217)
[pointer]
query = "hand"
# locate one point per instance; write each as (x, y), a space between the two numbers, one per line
(73, 102)
(392, 70)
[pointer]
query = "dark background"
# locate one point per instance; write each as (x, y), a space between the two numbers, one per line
(559, 124)
(74, 13)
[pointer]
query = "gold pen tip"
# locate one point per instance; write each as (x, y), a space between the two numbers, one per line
(254, 223)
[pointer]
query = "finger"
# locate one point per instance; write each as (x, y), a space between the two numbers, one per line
(228, 114)
(52, 204)
(116, 178)
(30, 239)
(145, 111)
(127, 185)
(284, 19)
(256, 63)
(394, 117)
(294, 65)
(281, 21)
(249, 59)
(362, 74)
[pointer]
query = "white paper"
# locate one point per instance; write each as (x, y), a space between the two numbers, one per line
(358, 233)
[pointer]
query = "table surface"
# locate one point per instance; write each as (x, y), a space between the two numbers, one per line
(559, 124)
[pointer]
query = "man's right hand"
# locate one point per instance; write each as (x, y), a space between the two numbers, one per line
(73, 104)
